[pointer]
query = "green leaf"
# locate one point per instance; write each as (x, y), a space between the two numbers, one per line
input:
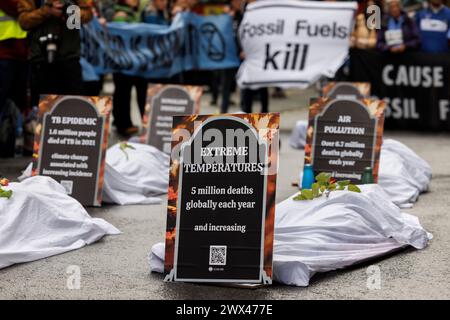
(323, 177)
(299, 197)
(332, 187)
(354, 188)
(308, 194)
(315, 189)
(322, 188)
(343, 183)
(123, 146)
(5, 193)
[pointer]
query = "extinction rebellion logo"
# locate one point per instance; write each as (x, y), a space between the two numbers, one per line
(213, 42)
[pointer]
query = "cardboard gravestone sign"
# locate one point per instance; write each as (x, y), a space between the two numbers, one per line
(344, 137)
(164, 102)
(346, 90)
(70, 144)
(221, 201)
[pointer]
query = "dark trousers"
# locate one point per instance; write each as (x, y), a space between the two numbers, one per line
(13, 82)
(60, 77)
(248, 95)
(123, 85)
(227, 80)
(13, 87)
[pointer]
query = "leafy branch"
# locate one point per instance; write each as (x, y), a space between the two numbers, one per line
(325, 184)
(5, 193)
(124, 146)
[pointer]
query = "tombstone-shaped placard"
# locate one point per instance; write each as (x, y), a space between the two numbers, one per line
(71, 141)
(222, 199)
(164, 102)
(346, 90)
(344, 137)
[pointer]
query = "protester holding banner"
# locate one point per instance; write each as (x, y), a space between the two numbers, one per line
(364, 37)
(228, 76)
(248, 94)
(13, 74)
(55, 49)
(126, 11)
(398, 33)
(434, 25)
(156, 13)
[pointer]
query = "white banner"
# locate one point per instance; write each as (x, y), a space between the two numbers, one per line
(290, 43)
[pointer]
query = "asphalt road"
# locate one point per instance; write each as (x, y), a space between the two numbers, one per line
(116, 267)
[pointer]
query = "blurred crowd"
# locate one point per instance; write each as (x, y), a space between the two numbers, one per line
(39, 54)
(399, 30)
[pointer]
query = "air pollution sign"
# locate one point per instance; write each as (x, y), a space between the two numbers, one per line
(70, 144)
(346, 90)
(344, 137)
(293, 43)
(221, 202)
(164, 102)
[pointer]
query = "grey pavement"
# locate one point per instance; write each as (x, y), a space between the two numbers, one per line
(116, 267)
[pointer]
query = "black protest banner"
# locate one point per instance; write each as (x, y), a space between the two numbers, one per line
(343, 90)
(344, 137)
(164, 102)
(221, 201)
(191, 42)
(415, 86)
(70, 144)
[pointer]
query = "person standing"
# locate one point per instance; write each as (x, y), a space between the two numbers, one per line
(248, 95)
(398, 33)
(156, 12)
(13, 73)
(434, 26)
(54, 47)
(127, 11)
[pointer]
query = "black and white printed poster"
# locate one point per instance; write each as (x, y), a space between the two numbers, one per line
(346, 90)
(164, 102)
(71, 142)
(344, 137)
(414, 85)
(289, 43)
(221, 200)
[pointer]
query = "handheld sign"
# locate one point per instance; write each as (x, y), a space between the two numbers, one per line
(346, 90)
(164, 102)
(344, 137)
(221, 201)
(70, 144)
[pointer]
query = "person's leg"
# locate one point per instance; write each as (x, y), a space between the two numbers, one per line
(227, 82)
(71, 78)
(44, 80)
(141, 85)
(247, 100)
(121, 101)
(215, 79)
(6, 79)
(20, 85)
(264, 98)
(7, 122)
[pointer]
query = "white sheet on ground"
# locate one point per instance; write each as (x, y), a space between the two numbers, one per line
(328, 234)
(40, 220)
(138, 179)
(403, 174)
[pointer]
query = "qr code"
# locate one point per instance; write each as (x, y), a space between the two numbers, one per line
(217, 255)
(68, 185)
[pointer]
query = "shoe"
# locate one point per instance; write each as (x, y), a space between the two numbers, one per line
(279, 94)
(128, 132)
